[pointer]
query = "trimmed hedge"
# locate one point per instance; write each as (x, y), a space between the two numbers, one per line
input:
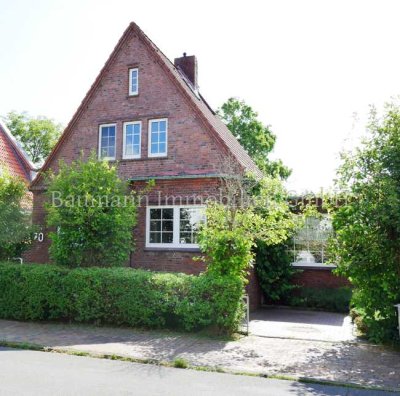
(120, 296)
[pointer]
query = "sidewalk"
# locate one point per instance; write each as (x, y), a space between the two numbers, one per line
(363, 364)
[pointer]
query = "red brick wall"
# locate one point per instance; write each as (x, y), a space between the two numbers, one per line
(170, 260)
(9, 158)
(319, 278)
(191, 147)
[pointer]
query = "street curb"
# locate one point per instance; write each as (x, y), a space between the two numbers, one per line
(171, 364)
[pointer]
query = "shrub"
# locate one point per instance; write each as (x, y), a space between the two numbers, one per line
(119, 296)
(92, 214)
(274, 270)
(213, 300)
(15, 229)
(335, 300)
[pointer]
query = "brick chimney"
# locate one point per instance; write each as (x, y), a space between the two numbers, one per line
(188, 65)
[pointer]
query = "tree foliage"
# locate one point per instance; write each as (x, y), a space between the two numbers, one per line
(257, 139)
(37, 135)
(92, 214)
(253, 211)
(367, 243)
(15, 220)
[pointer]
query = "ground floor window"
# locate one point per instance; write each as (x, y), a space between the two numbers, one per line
(173, 226)
(309, 245)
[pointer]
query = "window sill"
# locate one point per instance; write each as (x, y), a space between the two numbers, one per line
(316, 266)
(171, 249)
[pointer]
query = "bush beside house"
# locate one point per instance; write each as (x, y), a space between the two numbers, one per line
(120, 296)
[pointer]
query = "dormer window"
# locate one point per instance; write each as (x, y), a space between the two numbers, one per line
(133, 82)
(107, 138)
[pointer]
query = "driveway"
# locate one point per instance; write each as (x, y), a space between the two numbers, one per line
(278, 322)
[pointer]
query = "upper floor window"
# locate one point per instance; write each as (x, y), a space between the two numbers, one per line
(107, 139)
(158, 130)
(133, 81)
(132, 139)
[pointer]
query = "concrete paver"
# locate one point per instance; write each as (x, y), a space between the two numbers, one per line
(301, 324)
(338, 361)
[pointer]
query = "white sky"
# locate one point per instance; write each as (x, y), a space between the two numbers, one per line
(305, 66)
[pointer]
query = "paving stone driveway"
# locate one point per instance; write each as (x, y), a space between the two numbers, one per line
(301, 324)
(339, 361)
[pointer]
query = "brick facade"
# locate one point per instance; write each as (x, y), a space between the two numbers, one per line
(198, 142)
(319, 278)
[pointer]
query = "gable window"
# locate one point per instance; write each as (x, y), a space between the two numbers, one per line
(107, 139)
(173, 226)
(158, 130)
(133, 81)
(132, 139)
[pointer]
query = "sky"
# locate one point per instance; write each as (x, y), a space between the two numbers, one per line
(309, 68)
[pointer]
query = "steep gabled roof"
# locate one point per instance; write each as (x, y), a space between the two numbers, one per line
(14, 156)
(203, 110)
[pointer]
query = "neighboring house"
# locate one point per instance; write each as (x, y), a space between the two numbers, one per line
(13, 158)
(147, 113)
(308, 249)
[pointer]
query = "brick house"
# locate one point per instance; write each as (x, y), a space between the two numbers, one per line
(147, 113)
(13, 158)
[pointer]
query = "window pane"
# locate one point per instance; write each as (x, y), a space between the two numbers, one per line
(136, 150)
(185, 237)
(161, 148)
(167, 237)
(154, 126)
(155, 237)
(154, 137)
(155, 225)
(168, 213)
(190, 220)
(135, 139)
(162, 126)
(167, 225)
(154, 148)
(161, 137)
(155, 214)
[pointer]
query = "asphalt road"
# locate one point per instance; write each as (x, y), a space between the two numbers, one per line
(42, 373)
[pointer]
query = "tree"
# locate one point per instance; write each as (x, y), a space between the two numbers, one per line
(366, 246)
(15, 221)
(92, 214)
(252, 210)
(37, 135)
(256, 138)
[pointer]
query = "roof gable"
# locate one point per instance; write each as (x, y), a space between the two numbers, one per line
(12, 155)
(213, 124)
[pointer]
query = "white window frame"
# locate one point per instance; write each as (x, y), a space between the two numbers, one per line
(133, 93)
(133, 156)
(99, 153)
(176, 224)
(149, 153)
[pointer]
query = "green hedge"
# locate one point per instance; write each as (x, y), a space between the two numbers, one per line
(120, 296)
(335, 300)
